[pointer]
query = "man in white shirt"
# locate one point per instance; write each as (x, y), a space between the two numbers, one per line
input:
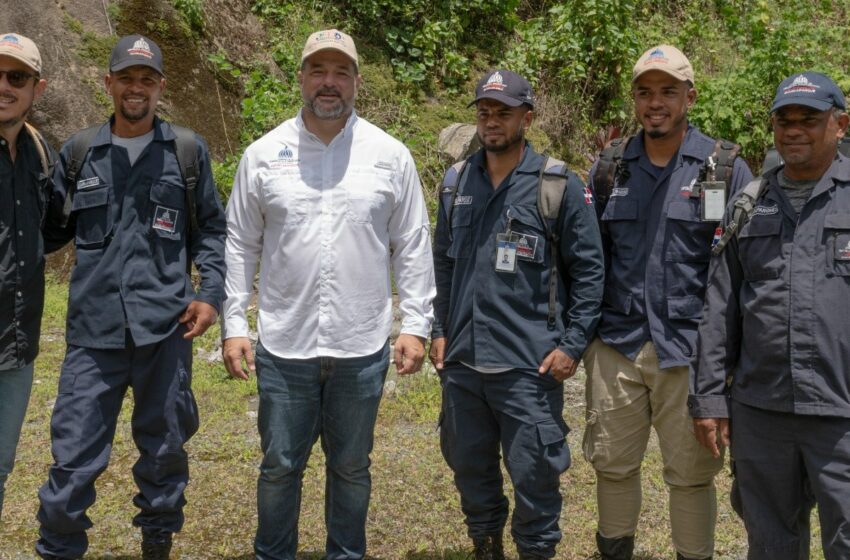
(326, 203)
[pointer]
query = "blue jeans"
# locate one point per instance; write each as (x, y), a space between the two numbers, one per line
(300, 400)
(15, 385)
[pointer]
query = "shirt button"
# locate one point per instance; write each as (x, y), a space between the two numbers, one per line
(20, 233)
(2, 142)
(19, 294)
(21, 263)
(18, 202)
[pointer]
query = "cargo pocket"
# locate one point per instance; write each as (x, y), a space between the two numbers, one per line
(528, 226)
(93, 217)
(684, 307)
(837, 232)
(168, 211)
(187, 408)
(688, 237)
(552, 436)
(761, 248)
(461, 245)
(620, 219)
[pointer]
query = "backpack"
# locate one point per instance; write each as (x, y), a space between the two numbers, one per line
(743, 208)
(610, 170)
(551, 185)
(185, 147)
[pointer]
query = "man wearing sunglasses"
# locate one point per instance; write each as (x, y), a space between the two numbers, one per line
(25, 193)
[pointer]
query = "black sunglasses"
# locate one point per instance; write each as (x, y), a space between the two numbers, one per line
(17, 78)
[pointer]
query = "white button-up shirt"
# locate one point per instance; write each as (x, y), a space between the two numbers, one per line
(325, 223)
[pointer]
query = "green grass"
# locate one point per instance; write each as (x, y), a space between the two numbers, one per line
(415, 512)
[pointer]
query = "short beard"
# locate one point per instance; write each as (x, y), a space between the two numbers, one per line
(135, 117)
(338, 111)
(655, 134)
(498, 148)
(9, 123)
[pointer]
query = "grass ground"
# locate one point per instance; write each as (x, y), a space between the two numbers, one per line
(415, 514)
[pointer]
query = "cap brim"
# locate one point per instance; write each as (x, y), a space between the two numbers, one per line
(337, 49)
(27, 63)
(500, 97)
(129, 63)
(804, 101)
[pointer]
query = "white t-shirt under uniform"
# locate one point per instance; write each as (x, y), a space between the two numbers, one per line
(326, 222)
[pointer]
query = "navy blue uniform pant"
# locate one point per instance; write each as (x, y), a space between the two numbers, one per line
(783, 464)
(519, 414)
(92, 385)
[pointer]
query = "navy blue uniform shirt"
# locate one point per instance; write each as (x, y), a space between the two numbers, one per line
(25, 196)
(657, 250)
(777, 313)
(499, 319)
(130, 229)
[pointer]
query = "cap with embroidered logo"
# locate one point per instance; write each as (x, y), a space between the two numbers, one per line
(667, 59)
(21, 48)
(810, 89)
(505, 86)
(330, 39)
(135, 50)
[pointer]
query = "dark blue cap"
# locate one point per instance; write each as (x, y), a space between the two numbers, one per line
(135, 50)
(503, 85)
(810, 89)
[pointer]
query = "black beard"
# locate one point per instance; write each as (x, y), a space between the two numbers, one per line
(504, 146)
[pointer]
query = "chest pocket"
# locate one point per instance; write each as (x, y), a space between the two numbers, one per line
(93, 215)
(837, 232)
(461, 225)
(688, 237)
(621, 223)
(168, 210)
(760, 245)
(527, 225)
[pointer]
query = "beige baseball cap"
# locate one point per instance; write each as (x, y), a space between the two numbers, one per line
(666, 58)
(332, 39)
(21, 48)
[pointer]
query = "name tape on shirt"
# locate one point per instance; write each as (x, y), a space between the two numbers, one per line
(463, 200)
(88, 183)
(765, 210)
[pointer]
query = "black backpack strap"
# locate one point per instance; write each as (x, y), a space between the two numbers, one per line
(186, 149)
(551, 187)
(448, 191)
(722, 162)
(609, 170)
(80, 144)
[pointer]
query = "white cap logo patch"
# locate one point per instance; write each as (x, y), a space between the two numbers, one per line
(141, 48)
(801, 84)
(656, 56)
(10, 41)
(495, 81)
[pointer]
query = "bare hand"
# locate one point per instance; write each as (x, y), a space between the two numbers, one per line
(408, 353)
(198, 317)
(438, 352)
(560, 365)
(712, 433)
(233, 351)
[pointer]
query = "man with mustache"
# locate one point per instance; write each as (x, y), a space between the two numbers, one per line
(326, 204)
(26, 194)
(773, 346)
(665, 198)
(518, 295)
(132, 308)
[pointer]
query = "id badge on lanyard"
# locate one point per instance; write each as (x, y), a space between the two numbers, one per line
(506, 244)
(712, 201)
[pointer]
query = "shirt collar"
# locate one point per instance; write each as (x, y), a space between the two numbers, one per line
(690, 147)
(162, 132)
(346, 130)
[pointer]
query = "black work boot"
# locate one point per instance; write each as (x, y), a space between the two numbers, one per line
(489, 547)
(531, 556)
(156, 545)
(620, 548)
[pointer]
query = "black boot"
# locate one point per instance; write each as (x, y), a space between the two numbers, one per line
(489, 547)
(530, 556)
(620, 548)
(156, 545)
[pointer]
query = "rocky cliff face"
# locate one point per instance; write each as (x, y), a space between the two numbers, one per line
(74, 37)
